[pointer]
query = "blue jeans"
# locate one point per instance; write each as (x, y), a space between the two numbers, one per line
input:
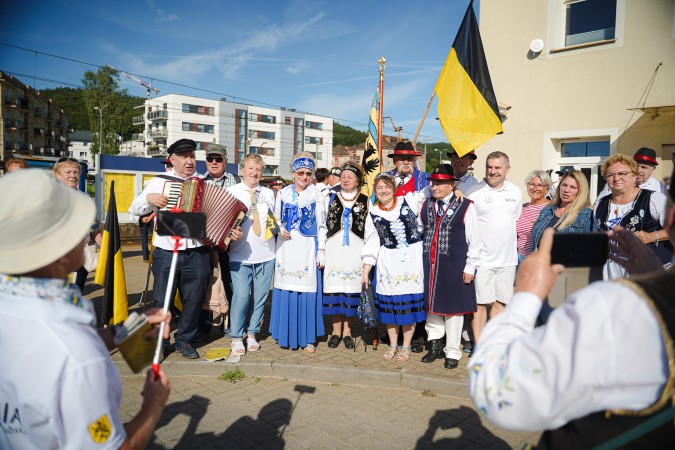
(193, 271)
(250, 288)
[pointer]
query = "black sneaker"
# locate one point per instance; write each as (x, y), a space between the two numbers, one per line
(186, 350)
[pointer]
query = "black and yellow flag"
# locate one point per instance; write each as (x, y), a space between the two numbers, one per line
(467, 106)
(110, 269)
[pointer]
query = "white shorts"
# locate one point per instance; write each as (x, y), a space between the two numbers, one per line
(494, 284)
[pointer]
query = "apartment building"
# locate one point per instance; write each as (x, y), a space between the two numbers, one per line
(30, 124)
(274, 134)
(585, 79)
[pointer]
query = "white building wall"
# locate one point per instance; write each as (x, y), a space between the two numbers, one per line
(288, 127)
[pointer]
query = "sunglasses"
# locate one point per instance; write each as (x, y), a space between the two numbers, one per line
(218, 159)
(67, 159)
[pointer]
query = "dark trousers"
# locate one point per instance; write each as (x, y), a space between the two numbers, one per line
(224, 260)
(193, 270)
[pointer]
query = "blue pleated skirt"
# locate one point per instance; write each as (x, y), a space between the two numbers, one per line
(346, 304)
(296, 318)
(405, 309)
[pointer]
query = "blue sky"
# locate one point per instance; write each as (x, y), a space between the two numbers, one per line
(314, 56)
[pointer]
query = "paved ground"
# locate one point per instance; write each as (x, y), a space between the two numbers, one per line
(205, 412)
(357, 399)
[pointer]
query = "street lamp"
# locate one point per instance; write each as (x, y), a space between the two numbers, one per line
(100, 130)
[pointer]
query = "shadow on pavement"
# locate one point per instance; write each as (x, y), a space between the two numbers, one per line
(246, 432)
(463, 423)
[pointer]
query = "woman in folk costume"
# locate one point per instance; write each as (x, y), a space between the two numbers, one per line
(451, 255)
(393, 243)
(297, 318)
(346, 214)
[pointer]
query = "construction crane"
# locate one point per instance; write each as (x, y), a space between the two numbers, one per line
(148, 87)
(398, 130)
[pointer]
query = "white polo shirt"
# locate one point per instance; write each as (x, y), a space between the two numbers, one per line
(498, 211)
(57, 382)
(251, 248)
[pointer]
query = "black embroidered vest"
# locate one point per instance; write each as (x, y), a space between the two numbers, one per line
(637, 219)
(359, 213)
(387, 236)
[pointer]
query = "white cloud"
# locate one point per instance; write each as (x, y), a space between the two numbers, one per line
(297, 67)
(161, 16)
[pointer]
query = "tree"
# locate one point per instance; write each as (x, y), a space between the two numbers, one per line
(348, 136)
(101, 90)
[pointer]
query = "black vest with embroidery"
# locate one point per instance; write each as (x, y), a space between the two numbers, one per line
(359, 212)
(387, 237)
(445, 249)
(597, 428)
(637, 219)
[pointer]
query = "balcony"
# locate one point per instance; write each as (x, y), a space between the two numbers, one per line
(138, 120)
(138, 137)
(15, 124)
(152, 134)
(17, 102)
(158, 115)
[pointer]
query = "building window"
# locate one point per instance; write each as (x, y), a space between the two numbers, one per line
(313, 140)
(262, 118)
(198, 127)
(589, 21)
(267, 151)
(314, 125)
(584, 149)
(262, 134)
(196, 109)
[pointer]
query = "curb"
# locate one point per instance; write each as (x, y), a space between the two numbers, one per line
(315, 373)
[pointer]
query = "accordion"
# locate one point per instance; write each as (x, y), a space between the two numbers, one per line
(223, 211)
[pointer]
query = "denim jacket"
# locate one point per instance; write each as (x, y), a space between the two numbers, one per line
(583, 223)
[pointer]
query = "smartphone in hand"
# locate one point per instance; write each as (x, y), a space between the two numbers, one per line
(579, 249)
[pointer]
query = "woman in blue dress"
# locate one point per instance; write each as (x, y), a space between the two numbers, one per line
(297, 318)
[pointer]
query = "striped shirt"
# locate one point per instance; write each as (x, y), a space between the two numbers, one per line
(524, 226)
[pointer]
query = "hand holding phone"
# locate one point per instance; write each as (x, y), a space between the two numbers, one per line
(579, 249)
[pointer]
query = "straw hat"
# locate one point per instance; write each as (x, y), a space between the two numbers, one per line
(41, 220)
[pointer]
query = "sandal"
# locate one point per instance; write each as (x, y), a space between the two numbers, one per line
(252, 344)
(309, 348)
(404, 355)
(238, 348)
(389, 354)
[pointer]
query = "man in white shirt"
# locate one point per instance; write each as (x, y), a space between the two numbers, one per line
(194, 265)
(498, 204)
(461, 167)
(576, 376)
(646, 161)
(58, 386)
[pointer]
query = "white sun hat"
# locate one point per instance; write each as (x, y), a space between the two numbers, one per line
(41, 220)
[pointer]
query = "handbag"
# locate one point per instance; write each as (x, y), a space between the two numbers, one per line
(366, 310)
(90, 256)
(216, 299)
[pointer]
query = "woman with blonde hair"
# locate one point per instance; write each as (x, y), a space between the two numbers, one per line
(569, 211)
(297, 318)
(638, 210)
(67, 171)
(251, 257)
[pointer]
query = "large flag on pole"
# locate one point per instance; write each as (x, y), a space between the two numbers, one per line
(110, 269)
(371, 162)
(467, 106)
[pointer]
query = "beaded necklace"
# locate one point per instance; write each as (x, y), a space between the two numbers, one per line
(389, 208)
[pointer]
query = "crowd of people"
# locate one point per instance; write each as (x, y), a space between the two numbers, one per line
(441, 250)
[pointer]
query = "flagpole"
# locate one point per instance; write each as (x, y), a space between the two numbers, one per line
(424, 116)
(167, 300)
(382, 62)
